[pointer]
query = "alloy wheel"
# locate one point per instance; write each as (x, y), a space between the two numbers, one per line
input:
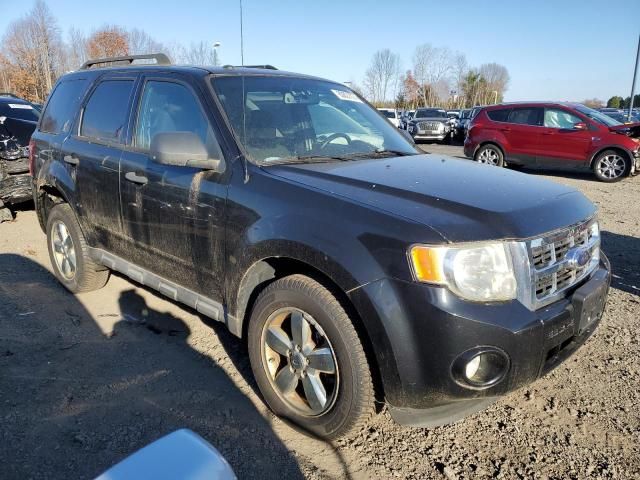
(300, 362)
(489, 156)
(64, 251)
(611, 166)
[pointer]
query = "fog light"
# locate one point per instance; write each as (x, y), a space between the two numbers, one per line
(480, 367)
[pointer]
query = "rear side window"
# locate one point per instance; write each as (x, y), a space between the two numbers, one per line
(105, 115)
(500, 115)
(63, 105)
(526, 116)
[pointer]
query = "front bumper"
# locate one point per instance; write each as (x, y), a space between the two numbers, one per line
(428, 327)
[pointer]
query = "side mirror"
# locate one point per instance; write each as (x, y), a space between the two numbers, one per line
(408, 136)
(580, 126)
(183, 149)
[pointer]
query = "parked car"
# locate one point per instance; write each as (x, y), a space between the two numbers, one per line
(554, 135)
(430, 124)
(18, 120)
(285, 206)
(392, 115)
(622, 117)
(406, 118)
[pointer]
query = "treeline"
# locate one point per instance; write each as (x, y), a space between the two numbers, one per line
(34, 52)
(621, 102)
(438, 77)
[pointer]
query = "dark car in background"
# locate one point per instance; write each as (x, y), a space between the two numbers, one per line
(554, 135)
(622, 117)
(286, 207)
(18, 120)
(430, 124)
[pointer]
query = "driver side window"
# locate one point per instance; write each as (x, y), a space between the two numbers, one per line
(172, 107)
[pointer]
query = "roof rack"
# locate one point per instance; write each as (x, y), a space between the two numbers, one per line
(160, 59)
(264, 67)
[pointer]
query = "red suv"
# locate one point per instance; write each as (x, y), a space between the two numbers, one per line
(554, 135)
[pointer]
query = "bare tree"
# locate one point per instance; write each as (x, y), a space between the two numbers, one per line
(497, 79)
(382, 76)
(32, 52)
(76, 49)
(200, 53)
(140, 43)
(432, 67)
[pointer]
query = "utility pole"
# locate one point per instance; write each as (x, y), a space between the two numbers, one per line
(216, 59)
(633, 85)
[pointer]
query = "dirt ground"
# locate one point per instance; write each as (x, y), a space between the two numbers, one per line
(85, 380)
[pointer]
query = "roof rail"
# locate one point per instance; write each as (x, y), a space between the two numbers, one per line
(160, 59)
(264, 67)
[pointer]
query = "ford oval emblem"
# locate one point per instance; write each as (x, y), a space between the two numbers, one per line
(578, 257)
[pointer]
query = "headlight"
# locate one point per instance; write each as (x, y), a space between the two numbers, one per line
(480, 272)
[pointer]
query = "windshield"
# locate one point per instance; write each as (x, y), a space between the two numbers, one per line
(19, 111)
(601, 118)
(388, 113)
(287, 119)
(430, 112)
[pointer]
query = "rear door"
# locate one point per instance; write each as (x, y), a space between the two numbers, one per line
(93, 154)
(562, 145)
(522, 131)
(173, 216)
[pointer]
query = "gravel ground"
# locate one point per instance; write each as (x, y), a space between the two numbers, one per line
(87, 379)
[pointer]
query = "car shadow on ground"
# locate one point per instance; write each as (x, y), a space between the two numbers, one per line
(76, 400)
(623, 252)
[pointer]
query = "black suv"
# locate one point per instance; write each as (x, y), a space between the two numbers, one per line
(286, 207)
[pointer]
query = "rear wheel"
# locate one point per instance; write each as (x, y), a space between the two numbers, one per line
(611, 166)
(307, 358)
(69, 253)
(490, 154)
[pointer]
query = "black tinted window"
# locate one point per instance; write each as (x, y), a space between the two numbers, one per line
(525, 116)
(62, 106)
(20, 111)
(498, 115)
(171, 107)
(105, 115)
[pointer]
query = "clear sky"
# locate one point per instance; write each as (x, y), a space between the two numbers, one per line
(553, 49)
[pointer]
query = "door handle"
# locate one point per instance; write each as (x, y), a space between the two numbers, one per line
(71, 160)
(139, 179)
(505, 129)
(548, 133)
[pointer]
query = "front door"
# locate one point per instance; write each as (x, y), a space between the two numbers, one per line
(561, 144)
(173, 216)
(522, 131)
(93, 152)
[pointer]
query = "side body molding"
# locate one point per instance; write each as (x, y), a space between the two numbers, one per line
(200, 303)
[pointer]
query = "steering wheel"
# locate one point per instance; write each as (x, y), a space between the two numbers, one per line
(332, 137)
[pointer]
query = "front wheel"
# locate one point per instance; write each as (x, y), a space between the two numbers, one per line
(610, 166)
(490, 154)
(308, 359)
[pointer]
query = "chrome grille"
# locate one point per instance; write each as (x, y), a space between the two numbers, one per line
(552, 271)
(429, 125)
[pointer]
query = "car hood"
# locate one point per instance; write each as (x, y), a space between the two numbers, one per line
(462, 200)
(629, 129)
(431, 119)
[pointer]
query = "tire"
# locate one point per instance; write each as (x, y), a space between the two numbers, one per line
(489, 154)
(611, 166)
(332, 343)
(69, 255)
